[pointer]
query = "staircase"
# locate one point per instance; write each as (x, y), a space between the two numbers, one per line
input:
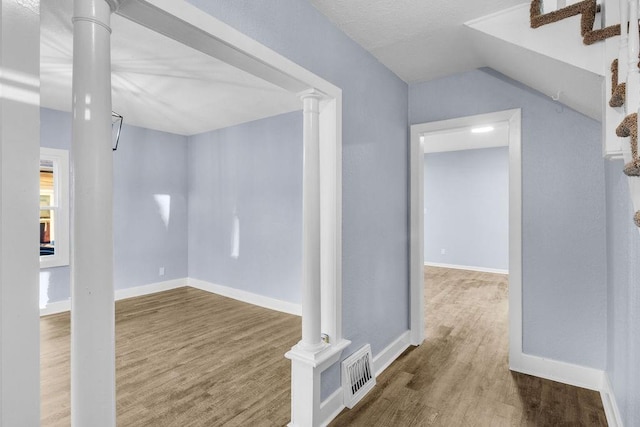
(624, 98)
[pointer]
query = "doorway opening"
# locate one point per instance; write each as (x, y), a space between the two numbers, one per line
(511, 120)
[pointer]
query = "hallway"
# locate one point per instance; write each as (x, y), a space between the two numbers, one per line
(460, 376)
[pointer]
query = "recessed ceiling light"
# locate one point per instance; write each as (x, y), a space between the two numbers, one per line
(482, 129)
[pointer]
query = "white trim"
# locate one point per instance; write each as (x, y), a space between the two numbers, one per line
(56, 307)
(120, 294)
(153, 288)
(610, 404)
(386, 357)
(515, 234)
(248, 297)
(515, 220)
(331, 407)
(467, 267)
(554, 370)
(61, 170)
(416, 237)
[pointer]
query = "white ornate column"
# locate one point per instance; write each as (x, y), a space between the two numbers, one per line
(92, 293)
(311, 340)
(307, 356)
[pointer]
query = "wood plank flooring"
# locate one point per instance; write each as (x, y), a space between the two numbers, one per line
(459, 376)
(184, 358)
(189, 358)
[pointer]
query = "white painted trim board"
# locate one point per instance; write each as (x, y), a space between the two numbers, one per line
(555, 370)
(331, 407)
(120, 294)
(56, 307)
(248, 297)
(225, 291)
(610, 404)
(467, 267)
(386, 357)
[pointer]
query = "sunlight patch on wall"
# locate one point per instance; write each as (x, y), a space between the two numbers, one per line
(164, 207)
(235, 237)
(45, 277)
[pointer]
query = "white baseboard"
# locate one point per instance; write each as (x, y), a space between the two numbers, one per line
(467, 267)
(610, 404)
(139, 291)
(244, 296)
(382, 360)
(248, 297)
(120, 294)
(56, 307)
(331, 407)
(562, 372)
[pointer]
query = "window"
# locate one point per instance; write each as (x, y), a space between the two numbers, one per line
(54, 207)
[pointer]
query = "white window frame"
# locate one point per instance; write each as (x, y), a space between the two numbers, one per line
(60, 159)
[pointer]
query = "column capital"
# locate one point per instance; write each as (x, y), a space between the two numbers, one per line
(113, 4)
(311, 93)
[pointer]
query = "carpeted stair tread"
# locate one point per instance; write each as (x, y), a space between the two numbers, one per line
(539, 19)
(618, 95)
(632, 168)
(636, 218)
(602, 34)
(629, 123)
(629, 127)
(618, 90)
(587, 9)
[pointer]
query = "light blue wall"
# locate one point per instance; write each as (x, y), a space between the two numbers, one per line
(623, 297)
(253, 172)
(563, 220)
(147, 163)
(375, 168)
(466, 208)
(149, 169)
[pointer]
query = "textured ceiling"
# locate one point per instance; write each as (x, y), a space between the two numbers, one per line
(158, 83)
(417, 39)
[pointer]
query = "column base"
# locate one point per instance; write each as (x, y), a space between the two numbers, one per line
(306, 367)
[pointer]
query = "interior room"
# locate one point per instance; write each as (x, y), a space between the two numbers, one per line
(219, 178)
(466, 198)
(267, 192)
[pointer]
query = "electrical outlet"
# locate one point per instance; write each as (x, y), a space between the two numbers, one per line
(443, 251)
(161, 271)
